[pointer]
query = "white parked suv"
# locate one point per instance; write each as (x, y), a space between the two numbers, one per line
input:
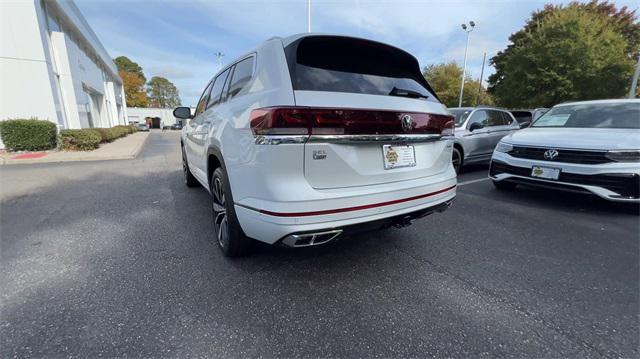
(589, 146)
(312, 137)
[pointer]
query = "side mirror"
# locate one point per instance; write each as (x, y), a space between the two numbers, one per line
(475, 126)
(525, 124)
(182, 112)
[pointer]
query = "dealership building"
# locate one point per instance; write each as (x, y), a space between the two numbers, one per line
(53, 67)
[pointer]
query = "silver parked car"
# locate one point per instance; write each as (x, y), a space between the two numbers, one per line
(478, 131)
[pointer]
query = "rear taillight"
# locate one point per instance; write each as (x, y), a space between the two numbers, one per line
(324, 121)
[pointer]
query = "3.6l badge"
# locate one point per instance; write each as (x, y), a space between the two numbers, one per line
(319, 154)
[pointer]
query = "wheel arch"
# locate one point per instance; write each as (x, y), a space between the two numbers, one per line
(214, 160)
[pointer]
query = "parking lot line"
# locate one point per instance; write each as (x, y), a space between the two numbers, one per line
(473, 181)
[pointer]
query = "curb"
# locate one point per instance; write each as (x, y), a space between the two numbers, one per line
(130, 156)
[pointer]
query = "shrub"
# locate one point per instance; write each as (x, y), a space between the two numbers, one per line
(107, 134)
(80, 140)
(120, 131)
(129, 128)
(28, 135)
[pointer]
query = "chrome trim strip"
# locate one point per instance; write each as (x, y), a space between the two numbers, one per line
(373, 138)
(278, 140)
(346, 139)
(540, 147)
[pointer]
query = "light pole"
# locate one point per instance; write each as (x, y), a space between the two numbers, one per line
(634, 80)
(484, 58)
(468, 30)
(308, 15)
(219, 56)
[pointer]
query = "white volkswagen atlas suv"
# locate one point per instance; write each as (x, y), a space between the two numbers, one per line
(589, 146)
(313, 137)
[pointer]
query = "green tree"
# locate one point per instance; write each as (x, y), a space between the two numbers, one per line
(162, 93)
(125, 64)
(134, 89)
(133, 81)
(445, 80)
(580, 51)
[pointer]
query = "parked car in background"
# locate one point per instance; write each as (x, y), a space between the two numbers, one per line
(142, 127)
(176, 126)
(590, 146)
(312, 137)
(478, 131)
(526, 117)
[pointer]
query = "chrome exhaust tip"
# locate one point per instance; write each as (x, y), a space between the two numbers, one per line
(311, 239)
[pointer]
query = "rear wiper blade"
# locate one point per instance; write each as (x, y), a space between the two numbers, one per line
(406, 93)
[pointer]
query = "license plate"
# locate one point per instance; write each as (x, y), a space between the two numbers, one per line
(398, 156)
(545, 172)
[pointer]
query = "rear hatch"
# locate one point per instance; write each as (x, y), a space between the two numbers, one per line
(376, 119)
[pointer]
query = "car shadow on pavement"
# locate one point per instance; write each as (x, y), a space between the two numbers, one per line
(475, 167)
(549, 199)
(81, 256)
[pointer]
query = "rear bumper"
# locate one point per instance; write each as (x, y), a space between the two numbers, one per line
(305, 239)
(614, 182)
(382, 204)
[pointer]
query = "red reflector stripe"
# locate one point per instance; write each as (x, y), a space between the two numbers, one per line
(356, 208)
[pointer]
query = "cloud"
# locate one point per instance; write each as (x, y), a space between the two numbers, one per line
(178, 39)
(171, 71)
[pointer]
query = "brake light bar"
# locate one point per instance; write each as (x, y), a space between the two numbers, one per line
(282, 121)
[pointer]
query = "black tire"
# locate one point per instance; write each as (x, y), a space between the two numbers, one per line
(456, 159)
(227, 231)
(504, 185)
(189, 179)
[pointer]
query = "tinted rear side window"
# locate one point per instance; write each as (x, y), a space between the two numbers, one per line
(506, 118)
(496, 118)
(202, 103)
(343, 64)
(241, 76)
(216, 91)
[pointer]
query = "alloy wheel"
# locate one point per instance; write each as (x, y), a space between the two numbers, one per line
(220, 213)
(456, 161)
(185, 167)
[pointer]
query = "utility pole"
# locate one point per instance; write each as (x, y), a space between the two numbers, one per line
(634, 81)
(308, 15)
(219, 56)
(468, 30)
(484, 57)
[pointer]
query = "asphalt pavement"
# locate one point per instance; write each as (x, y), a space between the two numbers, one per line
(117, 258)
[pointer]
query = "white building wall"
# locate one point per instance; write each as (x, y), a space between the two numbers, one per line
(65, 80)
(25, 88)
(53, 67)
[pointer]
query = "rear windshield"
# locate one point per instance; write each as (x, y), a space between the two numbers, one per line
(343, 64)
(595, 115)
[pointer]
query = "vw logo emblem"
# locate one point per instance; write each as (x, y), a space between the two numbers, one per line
(407, 123)
(550, 154)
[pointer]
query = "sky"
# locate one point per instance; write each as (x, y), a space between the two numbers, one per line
(179, 39)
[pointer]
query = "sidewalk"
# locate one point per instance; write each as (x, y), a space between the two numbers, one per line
(120, 149)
